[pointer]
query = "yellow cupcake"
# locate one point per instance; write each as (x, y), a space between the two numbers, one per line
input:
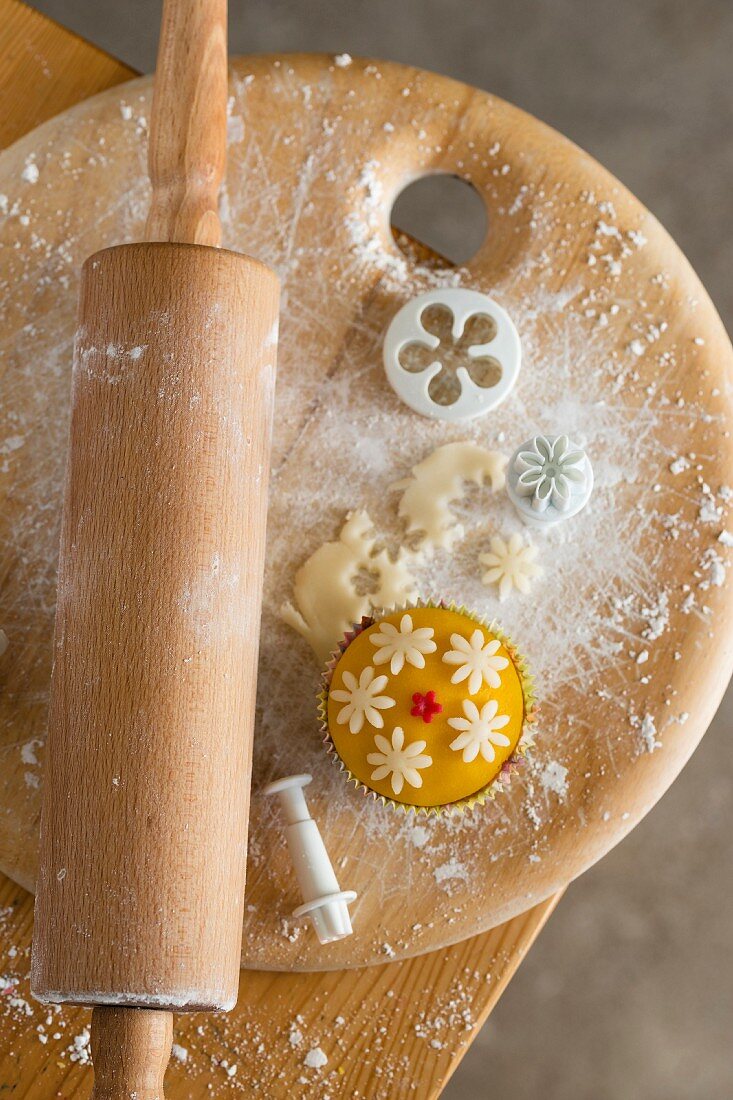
(427, 707)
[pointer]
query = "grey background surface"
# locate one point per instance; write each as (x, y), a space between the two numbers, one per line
(628, 994)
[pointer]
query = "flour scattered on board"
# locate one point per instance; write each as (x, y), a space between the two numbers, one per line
(295, 1035)
(419, 836)
(30, 173)
(554, 777)
(28, 751)
(647, 732)
(80, 1050)
(315, 1058)
(636, 408)
(450, 871)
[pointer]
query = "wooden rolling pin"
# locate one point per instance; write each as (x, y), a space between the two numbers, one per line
(146, 798)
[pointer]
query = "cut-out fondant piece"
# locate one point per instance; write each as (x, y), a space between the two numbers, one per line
(362, 700)
(326, 600)
(440, 480)
(425, 706)
(398, 761)
(458, 382)
(408, 643)
(479, 731)
(511, 564)
(476, 659)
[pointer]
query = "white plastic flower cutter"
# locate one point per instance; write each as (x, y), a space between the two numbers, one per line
(457, 372)
(323, 901)
(549, 480)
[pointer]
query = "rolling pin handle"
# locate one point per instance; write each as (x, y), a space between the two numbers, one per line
(130, 1052)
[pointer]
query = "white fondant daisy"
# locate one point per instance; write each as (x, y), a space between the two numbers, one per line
(511, 564)
(399, 760)
(479, 731)
(406, 644)
(362, 699)
(476, 661)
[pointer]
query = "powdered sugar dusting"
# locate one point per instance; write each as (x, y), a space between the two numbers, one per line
(554, 777)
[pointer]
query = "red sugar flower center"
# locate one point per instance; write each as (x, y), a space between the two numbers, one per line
(425, 706)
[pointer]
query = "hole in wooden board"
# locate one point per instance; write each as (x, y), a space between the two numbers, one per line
(444, 213)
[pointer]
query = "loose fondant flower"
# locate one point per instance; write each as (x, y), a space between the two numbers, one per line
(548, 471)
(511, 564)
(405, 644)
(362, 698)
(479, 731)
(476, 662)
(399, 760)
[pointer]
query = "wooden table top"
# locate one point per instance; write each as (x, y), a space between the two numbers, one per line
(388, 1031)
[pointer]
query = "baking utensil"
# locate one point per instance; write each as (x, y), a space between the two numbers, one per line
(144, 827)
(324, 901)
(500, 346)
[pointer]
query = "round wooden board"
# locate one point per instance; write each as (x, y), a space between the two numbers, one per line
(629, 631)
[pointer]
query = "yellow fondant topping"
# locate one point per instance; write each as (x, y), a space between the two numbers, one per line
(472, 678)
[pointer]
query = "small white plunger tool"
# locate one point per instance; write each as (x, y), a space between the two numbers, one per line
(324, 902)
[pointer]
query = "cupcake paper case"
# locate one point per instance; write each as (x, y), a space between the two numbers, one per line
(427, 707)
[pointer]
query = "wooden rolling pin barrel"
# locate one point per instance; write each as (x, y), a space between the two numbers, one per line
(144, 825)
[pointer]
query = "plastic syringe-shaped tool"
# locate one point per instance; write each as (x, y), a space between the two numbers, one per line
(323, 901)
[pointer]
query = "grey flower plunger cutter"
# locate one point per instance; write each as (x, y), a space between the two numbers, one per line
(549, 480)
(477, 394)
(324, 902)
